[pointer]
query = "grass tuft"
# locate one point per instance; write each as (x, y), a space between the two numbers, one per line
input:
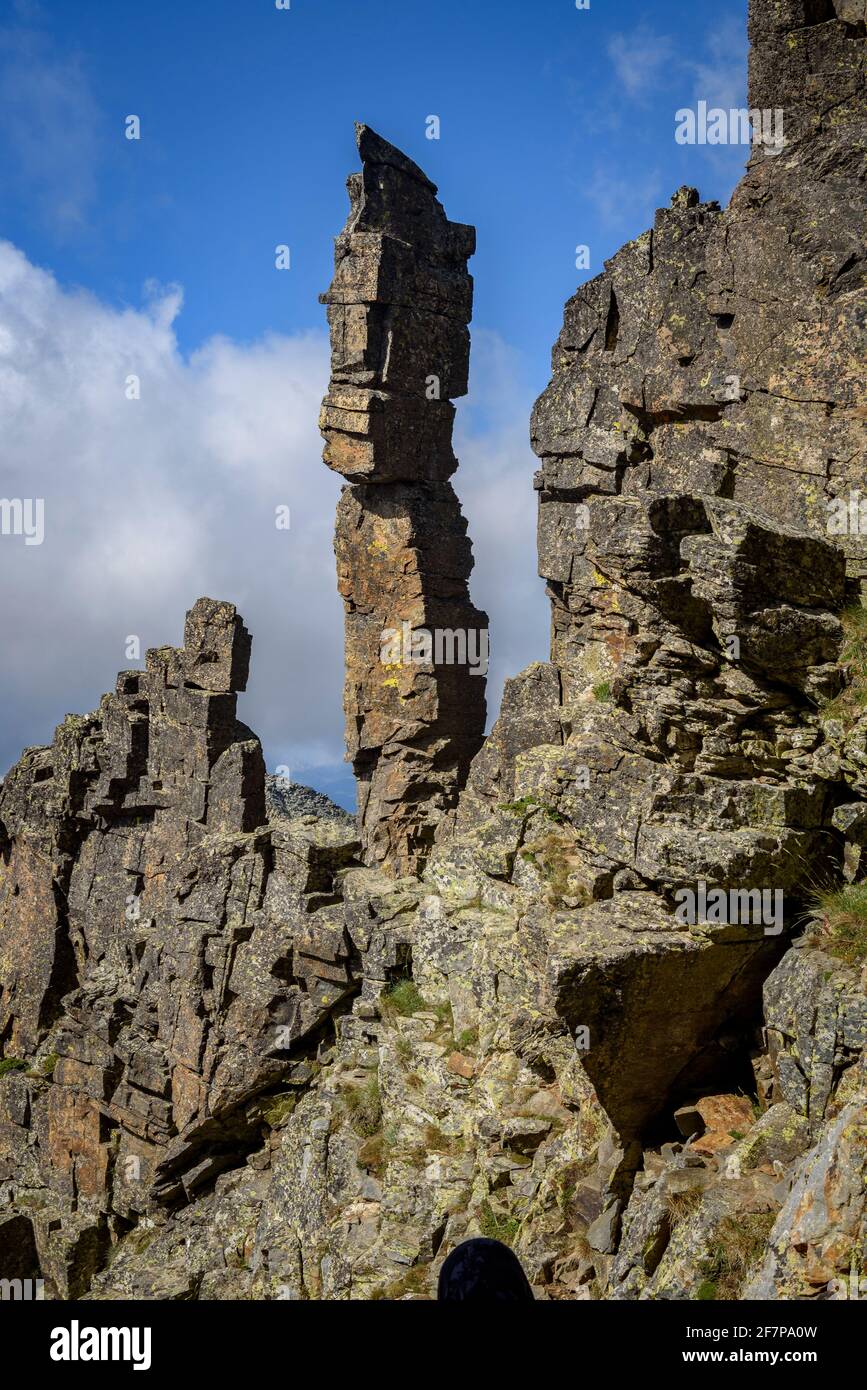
(404, 998)
(681, 1205)
(496, 1225)
(373, 1154)
(840, 922)
(364, 1107)
(852, 701)
(739, 1246)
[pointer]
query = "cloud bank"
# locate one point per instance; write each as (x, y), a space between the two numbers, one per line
(152, 502)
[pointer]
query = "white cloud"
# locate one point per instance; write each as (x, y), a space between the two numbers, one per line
(639, 58)
(622, 201)
(495, 485)
(721, 78)
(50, 123)
(152, 503)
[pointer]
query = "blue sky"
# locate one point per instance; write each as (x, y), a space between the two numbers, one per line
(556, 129)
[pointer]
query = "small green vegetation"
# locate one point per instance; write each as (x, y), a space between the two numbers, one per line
(852, 701)
(403, 998)
(279, 1108)
(527, 805)
(740, 1244)
(681, 1205)
(364, 1108)
(12, 1064)
(434, 1142)
(444, 1014)
(47, 1064)
(415, 1281)
(553, 857)
(373, 1154)
(403, 1050)
(840, 922)
(469, 1038)
(439, 1143)
(567, 1183)
(496, 1225)
(522, 807)
(602, 692)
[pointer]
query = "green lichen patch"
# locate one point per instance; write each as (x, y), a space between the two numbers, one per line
(414, 1282)
(12, 1064)
(280, 1108)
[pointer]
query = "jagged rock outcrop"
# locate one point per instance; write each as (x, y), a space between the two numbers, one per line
(817, 1241)
(398, 309)
(287, 800)
(702, 761)
(722, 352)
(167, 958)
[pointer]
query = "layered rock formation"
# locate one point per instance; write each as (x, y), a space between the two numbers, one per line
(601, 1013)
(416, 648)
(167, 957)
(719, 352)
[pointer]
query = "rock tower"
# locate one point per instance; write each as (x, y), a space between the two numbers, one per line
(416, 647)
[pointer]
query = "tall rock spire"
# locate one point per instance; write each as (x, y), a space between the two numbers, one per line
(416, 647)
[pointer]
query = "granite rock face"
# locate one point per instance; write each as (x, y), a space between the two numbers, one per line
(722, 351)
(700, 760)
(398, 310)
(817, 1241)
(166, 956)
(162, 763)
